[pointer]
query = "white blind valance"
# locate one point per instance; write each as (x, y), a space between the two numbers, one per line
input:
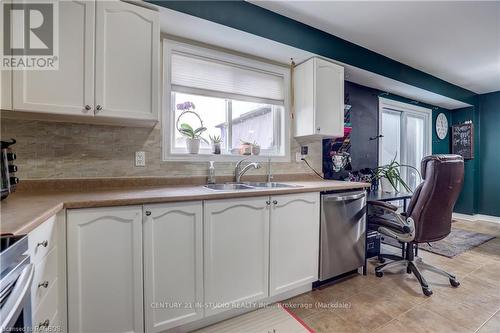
(192, 73)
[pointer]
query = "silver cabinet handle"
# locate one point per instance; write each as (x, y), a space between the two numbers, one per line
(88, 107)
(268, 202)
(275, 202)
(44, 324)
(45, 243)
(44, 284)
(318, 129)
(98, 108)
(148, 213)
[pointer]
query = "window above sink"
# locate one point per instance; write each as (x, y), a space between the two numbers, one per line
(236, 98)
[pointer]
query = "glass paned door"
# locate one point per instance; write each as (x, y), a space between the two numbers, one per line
(406, 138)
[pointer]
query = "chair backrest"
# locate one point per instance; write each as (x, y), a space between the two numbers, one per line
(432, 203)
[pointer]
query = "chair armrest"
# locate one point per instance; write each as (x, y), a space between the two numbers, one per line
(384, 205)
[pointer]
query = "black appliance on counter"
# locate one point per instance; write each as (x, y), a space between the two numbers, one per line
(7, 158)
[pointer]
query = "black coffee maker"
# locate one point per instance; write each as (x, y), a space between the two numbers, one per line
(7, 158)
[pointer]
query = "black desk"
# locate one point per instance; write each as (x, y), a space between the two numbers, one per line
(385, 196)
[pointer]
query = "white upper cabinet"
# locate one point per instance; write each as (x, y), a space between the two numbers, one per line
(319, 99)
(236, 252)
(105, 289)
(294, 241)
(173, 264)
(127, 61)
(109, 66)
(70, 89)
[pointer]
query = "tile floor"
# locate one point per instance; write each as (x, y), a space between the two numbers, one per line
(395, 303)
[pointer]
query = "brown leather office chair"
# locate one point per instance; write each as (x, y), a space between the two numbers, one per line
(428, 218)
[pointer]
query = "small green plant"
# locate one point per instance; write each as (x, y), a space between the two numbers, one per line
(215, 139)
(188, 131)
(392, 173)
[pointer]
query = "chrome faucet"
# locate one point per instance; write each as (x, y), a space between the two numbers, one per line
(238, 173)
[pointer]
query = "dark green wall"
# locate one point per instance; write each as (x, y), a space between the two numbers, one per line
(253, 19)
(489, 166)
(466, 202)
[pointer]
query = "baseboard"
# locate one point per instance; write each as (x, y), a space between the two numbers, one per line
(477, 217)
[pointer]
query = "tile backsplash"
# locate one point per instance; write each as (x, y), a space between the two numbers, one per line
(55, 150)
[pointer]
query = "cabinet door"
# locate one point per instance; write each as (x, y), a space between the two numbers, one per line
(173, 264)
(5, 74)
(329, 99)
(105, 269)
(70, 88)
(294, 241)
(236, 252)
(127, 61)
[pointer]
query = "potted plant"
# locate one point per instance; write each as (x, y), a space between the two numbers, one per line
(245, 148)
(193, 136)
(216, 142)
(255, 148)
(389, 177)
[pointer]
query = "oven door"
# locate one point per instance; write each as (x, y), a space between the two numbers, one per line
(15, 297)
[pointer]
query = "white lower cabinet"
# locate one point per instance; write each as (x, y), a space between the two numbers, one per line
(294, 239)
(200, 259)
(173, 264)
(236, 245)
(105, 269)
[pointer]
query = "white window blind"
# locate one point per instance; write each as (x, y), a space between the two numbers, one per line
(205, 76)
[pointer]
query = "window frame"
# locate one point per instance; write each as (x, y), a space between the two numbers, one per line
(405, 109)
(168, 117)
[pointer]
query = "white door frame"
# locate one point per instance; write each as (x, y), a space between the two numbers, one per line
(405, 108)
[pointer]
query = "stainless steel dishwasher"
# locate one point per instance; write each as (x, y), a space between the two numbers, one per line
(342, 233)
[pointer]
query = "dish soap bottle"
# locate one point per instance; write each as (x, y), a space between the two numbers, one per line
(211, 173)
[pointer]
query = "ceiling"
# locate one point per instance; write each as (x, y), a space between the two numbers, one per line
(457, 41)
(186, 27)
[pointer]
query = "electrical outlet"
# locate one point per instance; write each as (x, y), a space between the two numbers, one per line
(304, 150)
(298, 157)
(140, 158)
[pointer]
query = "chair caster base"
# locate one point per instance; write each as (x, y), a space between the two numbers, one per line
(381, 260)
(454, 283)
(379, 274)
(427, 291)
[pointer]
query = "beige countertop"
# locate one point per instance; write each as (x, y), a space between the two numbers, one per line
(22, 212)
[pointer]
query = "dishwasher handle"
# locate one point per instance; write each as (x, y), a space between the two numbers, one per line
(334, 197)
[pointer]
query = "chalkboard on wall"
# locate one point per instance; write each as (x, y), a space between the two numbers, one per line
(463, 141)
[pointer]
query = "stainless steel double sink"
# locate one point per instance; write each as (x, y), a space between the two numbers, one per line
(247, 186)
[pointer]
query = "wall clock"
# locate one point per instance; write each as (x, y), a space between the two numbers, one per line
(441, 126)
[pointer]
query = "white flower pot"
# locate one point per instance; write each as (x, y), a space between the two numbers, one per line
(385, 186)
(193, 145)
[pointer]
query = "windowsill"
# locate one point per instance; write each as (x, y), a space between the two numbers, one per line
(221, 158)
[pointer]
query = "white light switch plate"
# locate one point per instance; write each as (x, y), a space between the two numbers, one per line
(140, 158)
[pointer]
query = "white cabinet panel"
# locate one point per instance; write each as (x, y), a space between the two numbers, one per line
(70, 88)
(294, 241)
(173, 264)
(105, 269)
(329, 99)
(236, 252)
(5, 90)
(127, 61)
(319, 99)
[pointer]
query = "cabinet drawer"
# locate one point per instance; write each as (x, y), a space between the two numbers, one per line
(45, 278)
(47, 309)
(42, 240)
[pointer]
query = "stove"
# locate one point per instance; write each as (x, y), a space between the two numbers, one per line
(16, 276)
